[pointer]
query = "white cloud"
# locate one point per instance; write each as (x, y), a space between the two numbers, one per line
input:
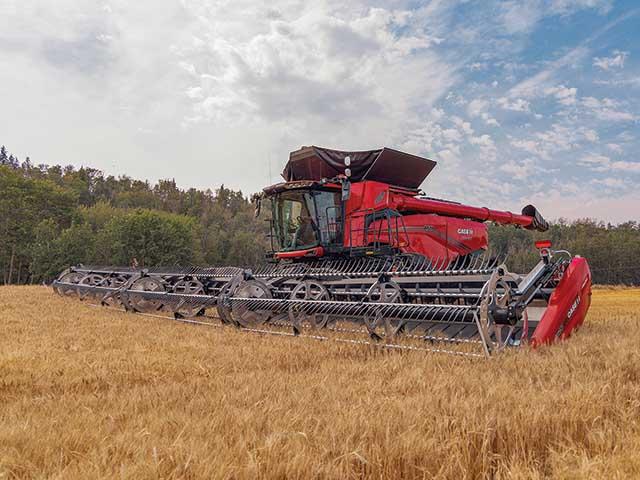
(489, 120)
(611, 182)
(607, 109)
(245, 80)
(594, 103)
(441, 134)
(516, 105)
(565, 7)
(487, 146)
(536, 84)
(520, 169)
(559, 138)
(463, 125)
(614, 147)
(300, 63)
(521, 16)
(437, 113)
(615, 116)
(478, 66)
(616, 60)
(626, 136)
(529, 146)
(624, 166)
(601, 163)
(630, 81)
(477, 108)
(483, 141)
(590, 135)
(194, 93)
(456, 98)
(564, 95)
(598, 163)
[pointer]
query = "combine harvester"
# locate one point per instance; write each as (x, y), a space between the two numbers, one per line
(357, 249)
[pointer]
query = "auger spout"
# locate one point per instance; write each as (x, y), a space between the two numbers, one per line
(529, 219)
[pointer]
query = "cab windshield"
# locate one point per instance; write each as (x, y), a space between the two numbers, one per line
(306, 218)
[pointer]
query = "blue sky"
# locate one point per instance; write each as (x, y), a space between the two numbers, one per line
(519, 101)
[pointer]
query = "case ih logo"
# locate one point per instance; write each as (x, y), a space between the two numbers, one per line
(573, 308)
(465, 231)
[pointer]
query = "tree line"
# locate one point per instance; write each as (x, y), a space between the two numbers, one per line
(613, 251)
(53, 216)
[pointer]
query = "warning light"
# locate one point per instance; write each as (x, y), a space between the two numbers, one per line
(543, 244)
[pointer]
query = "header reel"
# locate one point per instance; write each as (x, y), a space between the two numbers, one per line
(388, 303)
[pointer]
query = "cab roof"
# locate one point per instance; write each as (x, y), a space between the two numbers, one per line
(382, 165)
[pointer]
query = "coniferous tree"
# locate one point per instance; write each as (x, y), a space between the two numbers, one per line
(4, 157)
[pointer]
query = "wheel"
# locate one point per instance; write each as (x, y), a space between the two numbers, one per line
(310, 290)
(383, 292)
(223, 309)
(187, 307)
(71, 277)
(93, 280)
(113, 299)
(496, 294)
(141, 303)
(116, 281)
(242, 313)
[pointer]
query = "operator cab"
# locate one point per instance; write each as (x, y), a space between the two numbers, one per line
(303, 219)
(313, 213)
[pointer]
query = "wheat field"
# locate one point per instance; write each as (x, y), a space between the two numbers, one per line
(96, 393)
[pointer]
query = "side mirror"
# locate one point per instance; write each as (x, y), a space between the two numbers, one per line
(346, 189)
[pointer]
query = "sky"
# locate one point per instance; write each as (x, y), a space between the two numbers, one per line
(530, 101)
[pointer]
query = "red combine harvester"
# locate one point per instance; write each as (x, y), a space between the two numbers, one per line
(356, 248)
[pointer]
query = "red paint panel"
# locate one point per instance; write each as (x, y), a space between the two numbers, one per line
(434, 236)
(311, 252)
(568, 304)
(440, 238)
(543, 244)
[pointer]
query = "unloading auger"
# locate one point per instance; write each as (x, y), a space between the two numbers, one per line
(358, 250)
